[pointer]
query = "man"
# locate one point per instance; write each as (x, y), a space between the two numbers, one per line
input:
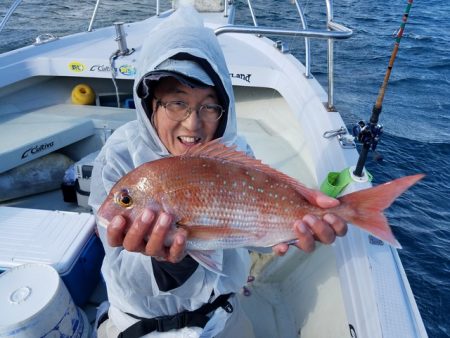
(183, 96)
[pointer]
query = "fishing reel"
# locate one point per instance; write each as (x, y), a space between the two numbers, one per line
(369, 134)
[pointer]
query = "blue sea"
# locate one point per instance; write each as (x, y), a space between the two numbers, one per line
(415, 113)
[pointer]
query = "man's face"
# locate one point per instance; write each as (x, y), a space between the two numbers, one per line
(178, 136)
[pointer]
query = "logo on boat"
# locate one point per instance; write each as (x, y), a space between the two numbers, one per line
(77, 67)
(100, 68)
(36, 149)
(127, 70)
(245, 77)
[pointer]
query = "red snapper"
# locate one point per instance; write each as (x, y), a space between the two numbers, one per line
(225, 199)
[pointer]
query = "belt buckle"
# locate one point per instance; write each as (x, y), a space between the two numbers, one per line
(228, 307)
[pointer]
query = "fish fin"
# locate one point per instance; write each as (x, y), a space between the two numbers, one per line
(209, 259)
(364, 208)
(218, 151)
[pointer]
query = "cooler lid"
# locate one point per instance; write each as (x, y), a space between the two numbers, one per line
(42, 236)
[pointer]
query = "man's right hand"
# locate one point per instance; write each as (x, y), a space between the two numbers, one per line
(149, 235)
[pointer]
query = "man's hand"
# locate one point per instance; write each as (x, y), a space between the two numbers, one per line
(311, 228)
(150, 235)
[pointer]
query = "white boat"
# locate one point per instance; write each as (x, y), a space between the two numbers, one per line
(356, 287)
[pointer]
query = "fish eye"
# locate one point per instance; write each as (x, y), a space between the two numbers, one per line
(124, 199)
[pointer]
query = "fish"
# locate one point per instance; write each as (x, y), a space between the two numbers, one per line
(225, 199)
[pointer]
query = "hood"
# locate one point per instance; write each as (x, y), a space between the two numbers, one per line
(184, 40)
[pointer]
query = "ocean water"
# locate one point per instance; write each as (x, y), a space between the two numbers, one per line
(415, 115)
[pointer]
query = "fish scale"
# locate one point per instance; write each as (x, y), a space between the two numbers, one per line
(228, 188)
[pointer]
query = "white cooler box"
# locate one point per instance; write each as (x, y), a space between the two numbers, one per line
(64, 240)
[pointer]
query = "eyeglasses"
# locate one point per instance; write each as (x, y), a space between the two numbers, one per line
(180, 111)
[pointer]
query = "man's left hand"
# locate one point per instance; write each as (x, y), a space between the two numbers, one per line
(311, 228)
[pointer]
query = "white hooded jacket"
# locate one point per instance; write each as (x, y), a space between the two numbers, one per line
(129, 277)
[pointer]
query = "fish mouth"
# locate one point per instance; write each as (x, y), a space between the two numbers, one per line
(189, 141)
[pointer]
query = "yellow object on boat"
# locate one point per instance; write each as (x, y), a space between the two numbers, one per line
(83, 94)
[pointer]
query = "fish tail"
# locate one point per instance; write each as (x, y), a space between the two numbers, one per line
(364, 208)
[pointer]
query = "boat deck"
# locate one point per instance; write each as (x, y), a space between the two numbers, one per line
(291, 285)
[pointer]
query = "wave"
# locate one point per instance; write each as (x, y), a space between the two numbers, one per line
(442, 146)
(440, 65)
(419, 80)
(419, 37)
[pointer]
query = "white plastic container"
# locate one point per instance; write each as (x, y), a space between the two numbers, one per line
(64, 240)
(34, 302)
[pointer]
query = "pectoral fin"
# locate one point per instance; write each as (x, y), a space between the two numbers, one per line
(209, 259)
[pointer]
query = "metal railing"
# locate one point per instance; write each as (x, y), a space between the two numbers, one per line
(94, 15)
(330, 57)
(307, 45)
(9, 13)
(252, 13)
(334, 31)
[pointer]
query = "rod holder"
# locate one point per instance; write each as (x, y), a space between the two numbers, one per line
(121, 38)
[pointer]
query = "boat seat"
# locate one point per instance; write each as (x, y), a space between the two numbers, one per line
(27, 136)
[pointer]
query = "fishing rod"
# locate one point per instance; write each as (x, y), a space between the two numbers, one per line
(369, 134)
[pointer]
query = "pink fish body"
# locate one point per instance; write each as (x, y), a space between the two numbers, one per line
(225, 199)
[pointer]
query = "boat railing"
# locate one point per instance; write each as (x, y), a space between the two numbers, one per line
(252, 13)
(333, 31)
(9, 13)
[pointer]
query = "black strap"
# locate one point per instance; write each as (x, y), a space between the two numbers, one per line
(164, 324)
(196, 318)
(221, 301)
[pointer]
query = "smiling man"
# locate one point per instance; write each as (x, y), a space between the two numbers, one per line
(183, 96)
(185, 114)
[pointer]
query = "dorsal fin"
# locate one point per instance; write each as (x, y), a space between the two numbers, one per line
(216, 150)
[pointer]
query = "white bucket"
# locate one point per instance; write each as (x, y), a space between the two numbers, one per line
(34, 302)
